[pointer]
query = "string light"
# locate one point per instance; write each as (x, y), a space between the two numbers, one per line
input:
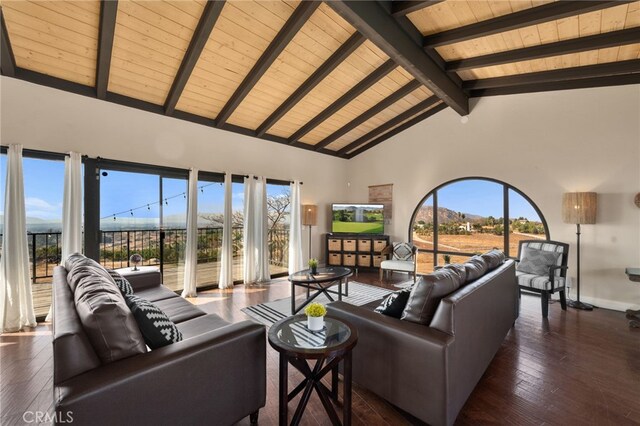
(148, 205)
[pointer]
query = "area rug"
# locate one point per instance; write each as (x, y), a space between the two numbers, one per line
(270, 312)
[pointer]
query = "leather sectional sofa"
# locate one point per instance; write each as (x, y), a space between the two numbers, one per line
(216, 375)
(430, 370)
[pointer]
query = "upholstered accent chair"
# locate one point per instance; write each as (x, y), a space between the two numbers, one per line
(550, 258)
(403, 259)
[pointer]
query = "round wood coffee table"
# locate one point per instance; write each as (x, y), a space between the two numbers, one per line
(297, 345)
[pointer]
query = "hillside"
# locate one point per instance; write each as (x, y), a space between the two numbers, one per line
(445, 215)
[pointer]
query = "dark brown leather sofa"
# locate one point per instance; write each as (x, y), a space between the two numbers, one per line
(216, 375)
(430, 371)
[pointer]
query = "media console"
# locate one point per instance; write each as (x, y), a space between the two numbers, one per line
(355, 250)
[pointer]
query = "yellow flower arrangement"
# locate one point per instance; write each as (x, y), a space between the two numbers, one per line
(315, 310)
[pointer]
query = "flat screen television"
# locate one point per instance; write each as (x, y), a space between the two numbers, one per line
(357, 218)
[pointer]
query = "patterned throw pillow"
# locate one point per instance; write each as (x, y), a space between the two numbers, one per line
(394, 304)
(537, 262)
(122, 283)
(156, 327)
(402, 251)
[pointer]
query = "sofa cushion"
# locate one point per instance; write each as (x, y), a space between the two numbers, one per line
(156, 327)
(122, 283)
(493, 259)
(154, 294)
(197, 326)
(475, 268)
(178, 309)
(393, 305)
(105, 317)
(398, 265)
(79, 267)
(536, 262)
(458, 269)
(427, 293)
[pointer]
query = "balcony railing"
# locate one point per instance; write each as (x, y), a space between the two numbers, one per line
(116, 247)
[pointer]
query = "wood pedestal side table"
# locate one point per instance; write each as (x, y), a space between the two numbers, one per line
(633, 316)
(298, 345)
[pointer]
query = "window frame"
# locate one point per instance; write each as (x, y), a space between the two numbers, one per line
(505, 216)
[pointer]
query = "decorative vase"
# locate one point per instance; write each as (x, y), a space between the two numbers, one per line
(315, 323)
(314, 270)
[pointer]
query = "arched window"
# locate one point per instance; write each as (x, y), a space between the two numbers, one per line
(469, 216)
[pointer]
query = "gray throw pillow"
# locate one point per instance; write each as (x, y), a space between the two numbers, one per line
(493, 259)
(475, 268)
(104, 314)
(537, 262)
(458, 269)
(427, 293)
(79, 267)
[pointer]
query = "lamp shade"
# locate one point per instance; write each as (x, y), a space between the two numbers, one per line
(579, 207)
(309, 214)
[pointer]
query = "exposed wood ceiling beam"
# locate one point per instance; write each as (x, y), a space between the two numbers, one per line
(7, 60)
(343, 100)
(404, 7)
(582, 83)
(581, 44)
(379, 107)
(372, 20)
(436, 109)
(524, 18)
(108, 12)
(588, 71)
(89, 91)
(416, 109)
(200, 37)
(347, 48)
(299, 17)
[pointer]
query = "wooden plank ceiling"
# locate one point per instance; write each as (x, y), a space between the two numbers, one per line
(335, 77)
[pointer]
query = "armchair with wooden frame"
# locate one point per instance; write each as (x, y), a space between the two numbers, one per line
(549, 283)
(403, 259)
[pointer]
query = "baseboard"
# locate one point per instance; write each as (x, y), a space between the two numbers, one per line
(609, 304)
(602, 303)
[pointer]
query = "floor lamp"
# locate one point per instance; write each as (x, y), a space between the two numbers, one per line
(579, 208)
(309, 218)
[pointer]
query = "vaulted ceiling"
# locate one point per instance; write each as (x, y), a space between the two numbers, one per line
(336, 77)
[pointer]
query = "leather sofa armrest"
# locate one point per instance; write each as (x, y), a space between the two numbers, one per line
(217, 375)
(143, 280)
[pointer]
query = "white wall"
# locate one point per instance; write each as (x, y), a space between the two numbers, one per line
(544, 144)
(47, 119)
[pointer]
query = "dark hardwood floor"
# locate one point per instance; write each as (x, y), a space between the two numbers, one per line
(576, 368)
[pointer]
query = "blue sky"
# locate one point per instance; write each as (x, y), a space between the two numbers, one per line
(121, 191)
(483, 198)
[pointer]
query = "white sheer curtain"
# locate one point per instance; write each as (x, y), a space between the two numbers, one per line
(191, 249)
(16, 300)
(296, 263)
(262, 230)
(226, 271)
(71, 209)
(250, 265)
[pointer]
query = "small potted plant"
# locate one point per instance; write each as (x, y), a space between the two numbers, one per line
(315, 316)
(447, 259)
(313, 265)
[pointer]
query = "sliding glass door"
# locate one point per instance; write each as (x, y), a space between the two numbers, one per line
(143, 213)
